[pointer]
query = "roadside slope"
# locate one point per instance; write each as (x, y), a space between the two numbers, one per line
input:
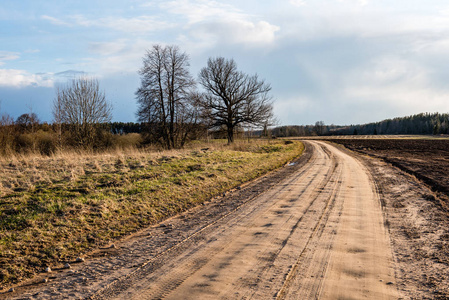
(54, 209)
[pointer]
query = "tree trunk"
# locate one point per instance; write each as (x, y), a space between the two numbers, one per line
(230, 135)
(172, 125)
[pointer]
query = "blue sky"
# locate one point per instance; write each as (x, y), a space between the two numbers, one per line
(339, 61)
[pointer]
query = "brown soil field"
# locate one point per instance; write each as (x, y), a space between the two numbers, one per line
(426, 159)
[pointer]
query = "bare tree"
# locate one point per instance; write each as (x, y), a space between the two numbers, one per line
(7, 134)
(27, 122)
(82, 106)
(233, 98)
(165, 97)
(57, 114)
(319, 127)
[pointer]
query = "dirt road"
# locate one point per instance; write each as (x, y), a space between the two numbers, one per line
(319, 234)
(315, 233)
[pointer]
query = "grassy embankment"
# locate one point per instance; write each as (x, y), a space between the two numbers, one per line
(53, 209)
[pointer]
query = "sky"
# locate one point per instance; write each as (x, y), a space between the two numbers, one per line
(337, 61)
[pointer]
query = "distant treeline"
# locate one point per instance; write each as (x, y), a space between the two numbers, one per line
(28, 134)
(424, 123)
(125, 128)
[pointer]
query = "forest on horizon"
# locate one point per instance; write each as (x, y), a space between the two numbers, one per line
(419, 124)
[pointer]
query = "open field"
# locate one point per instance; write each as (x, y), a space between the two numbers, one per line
(427, 159)
(54, 209)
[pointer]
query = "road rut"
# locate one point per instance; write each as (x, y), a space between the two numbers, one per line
(319, 234)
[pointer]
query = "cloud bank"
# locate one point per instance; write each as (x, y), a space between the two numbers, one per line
(340, 61)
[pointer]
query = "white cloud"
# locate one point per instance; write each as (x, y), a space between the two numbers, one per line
(5, 55)
(56, 21)
(32, 51)
(196, 11)
(121, 56)
(108, 48)
(298, 2)
(21, 78)
(70, 74)
(362, 18)
(293, 108)
(234, 32)
(359, 2)
(210, 23)
(395, 83)
(405, 98)
(389, 70)
(139, 24)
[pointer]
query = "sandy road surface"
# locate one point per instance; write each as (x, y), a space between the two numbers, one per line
(316, 232)
(319, 234)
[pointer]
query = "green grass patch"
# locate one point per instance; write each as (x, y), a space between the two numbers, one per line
(72, 206)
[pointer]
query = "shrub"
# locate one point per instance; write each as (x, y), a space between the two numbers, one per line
(130, 140)
(45, 142)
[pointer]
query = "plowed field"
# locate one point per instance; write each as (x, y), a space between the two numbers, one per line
(426, 159)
